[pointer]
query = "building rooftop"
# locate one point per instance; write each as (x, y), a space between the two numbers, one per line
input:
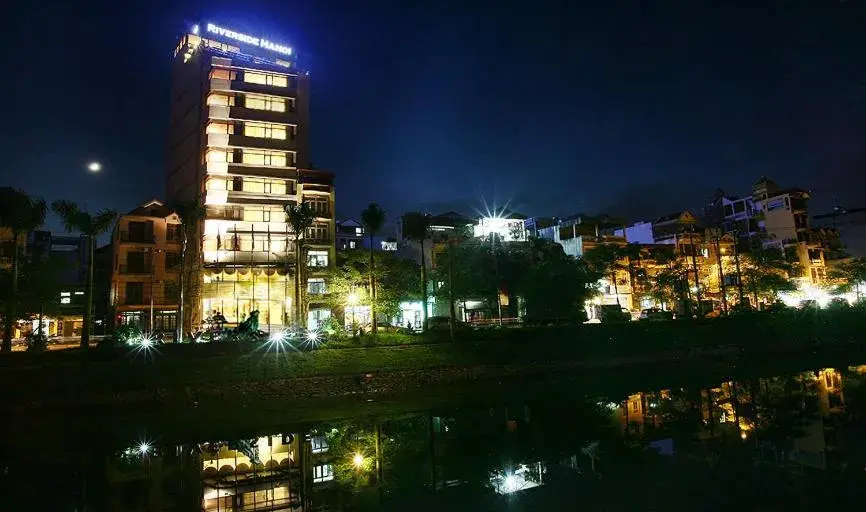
(152, 208)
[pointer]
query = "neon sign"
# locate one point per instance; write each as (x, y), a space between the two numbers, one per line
(247, 39)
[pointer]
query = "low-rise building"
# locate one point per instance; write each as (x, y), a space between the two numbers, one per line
(145, 277)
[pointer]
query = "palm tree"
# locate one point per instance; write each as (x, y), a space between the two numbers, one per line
(91, 226)
(416, 227)
(300, 217)
(373, 218)
(190, 214)
(19, 213)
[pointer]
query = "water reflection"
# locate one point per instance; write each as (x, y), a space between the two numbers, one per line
(770, 439)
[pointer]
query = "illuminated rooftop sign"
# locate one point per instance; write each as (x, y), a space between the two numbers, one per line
(247, 39)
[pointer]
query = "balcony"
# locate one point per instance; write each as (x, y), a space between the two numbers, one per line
(240, 85)
(137, 238)
(137, 269)
(260, 142)
(269, 116)
(134, 300)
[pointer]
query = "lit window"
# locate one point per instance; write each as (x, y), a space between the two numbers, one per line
(266, 79)
(218, 99)
(323, 473)
(320, 444)
(65, 294)
(273, 103)
(265, 130)
(222, 128)
(359, 231)
(264, 186)
(217, 184)
(260, 157)
(65, 300)
(224, 74)
(220, 156)
(316, 286)
(317, 259)
(352, 244)
(79, 293)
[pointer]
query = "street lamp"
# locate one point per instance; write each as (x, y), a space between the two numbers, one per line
(358, 460)
(352, 300)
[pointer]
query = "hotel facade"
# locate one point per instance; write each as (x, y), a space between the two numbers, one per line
(239, 147)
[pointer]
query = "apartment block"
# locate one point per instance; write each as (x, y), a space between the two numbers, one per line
(146, 265)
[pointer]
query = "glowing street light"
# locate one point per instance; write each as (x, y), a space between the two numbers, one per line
(144, 448)
(358, 460)
(94, 166)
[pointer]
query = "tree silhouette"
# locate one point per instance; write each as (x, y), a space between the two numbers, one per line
(19, 213)
(373, 218)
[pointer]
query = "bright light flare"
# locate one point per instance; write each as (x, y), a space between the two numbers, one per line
(358, 460)
(352, 299)
(510, 483)
(94, 166)
(144, 448)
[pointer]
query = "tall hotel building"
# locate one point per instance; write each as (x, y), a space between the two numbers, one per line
(239, 145)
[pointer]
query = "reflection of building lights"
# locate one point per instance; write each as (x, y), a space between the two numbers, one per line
(358, 460)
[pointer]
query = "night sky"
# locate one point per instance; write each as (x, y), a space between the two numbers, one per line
(554, 107)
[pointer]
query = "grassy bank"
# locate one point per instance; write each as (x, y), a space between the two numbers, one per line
(179, 365)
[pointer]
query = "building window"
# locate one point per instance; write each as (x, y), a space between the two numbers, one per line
(265, 130)
(222, 100)
(317, 317)
(172, 260)
(352, 244)
(219, 156)
(173, 232)
(320, 444)
(237, 183)
(269, 158)
(359, 231)
(323, 473)
(224, 74)
(170, 292)
(316, 286)
(319, 206)
(389, 246)
(266, 79)
(273, 103)
(318, 232)
(264, 186)
(317, 259)
(134, 293)
(220, 128)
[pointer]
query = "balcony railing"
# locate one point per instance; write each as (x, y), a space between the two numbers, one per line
(147, 238)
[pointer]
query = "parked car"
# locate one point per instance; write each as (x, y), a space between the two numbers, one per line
(441, 323)
(655, 315)
(613, 314)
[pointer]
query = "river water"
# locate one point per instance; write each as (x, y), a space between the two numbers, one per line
(780, 442)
